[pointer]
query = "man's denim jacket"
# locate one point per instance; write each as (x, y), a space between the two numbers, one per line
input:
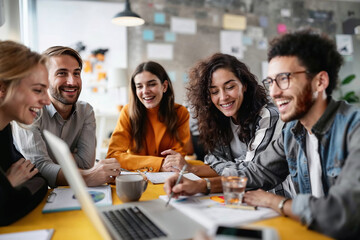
(337, 214)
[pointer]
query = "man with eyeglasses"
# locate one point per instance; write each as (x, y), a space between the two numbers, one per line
(319, 146)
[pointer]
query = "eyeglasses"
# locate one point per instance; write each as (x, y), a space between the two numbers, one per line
(282, 80)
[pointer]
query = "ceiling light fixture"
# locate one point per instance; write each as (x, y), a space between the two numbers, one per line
(127, 17)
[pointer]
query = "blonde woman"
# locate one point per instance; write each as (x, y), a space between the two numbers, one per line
(23, 92)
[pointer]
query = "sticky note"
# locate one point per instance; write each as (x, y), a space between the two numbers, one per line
(219, 199)
(247, 41)
(148, 35)
(234, 22)
(172, 76)
(285, 12)
(169, 37)
(281, 28)
(263, 21)
(159, 18)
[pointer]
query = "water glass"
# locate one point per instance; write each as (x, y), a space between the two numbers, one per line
(234, 189)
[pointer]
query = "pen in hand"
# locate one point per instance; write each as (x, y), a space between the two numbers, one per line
(177, 182)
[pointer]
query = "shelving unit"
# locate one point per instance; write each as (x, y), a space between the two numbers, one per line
(105, 123)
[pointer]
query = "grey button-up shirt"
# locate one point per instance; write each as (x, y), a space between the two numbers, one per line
(78, 132)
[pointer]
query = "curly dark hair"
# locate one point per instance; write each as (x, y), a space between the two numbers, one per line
(214, 126)
(137, 111)
(316, 52)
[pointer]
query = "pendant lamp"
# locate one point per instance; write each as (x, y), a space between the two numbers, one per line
(127, 17)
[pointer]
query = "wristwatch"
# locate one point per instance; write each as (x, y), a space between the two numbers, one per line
(281, 206)
(208, 186)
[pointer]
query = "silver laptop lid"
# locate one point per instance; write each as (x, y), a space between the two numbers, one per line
(170, 220)
(64, 157)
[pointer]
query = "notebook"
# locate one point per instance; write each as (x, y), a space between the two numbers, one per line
(64, 199)
(112, 221)
(160, 177)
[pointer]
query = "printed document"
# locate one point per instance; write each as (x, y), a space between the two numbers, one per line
(211, 213)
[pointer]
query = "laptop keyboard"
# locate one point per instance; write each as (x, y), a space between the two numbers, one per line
(132, 223)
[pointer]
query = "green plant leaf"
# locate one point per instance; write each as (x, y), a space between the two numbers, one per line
(351, 97)
(348, 79)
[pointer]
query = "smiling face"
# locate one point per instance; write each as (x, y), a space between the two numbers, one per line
(27, 98)
(149, 89)
(296, 101)
(227, 92)
(65, 80)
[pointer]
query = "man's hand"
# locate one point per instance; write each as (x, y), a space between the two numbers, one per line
(173, 161)
(20, 172)
(186, 187)
(105, 171)
(270, 200)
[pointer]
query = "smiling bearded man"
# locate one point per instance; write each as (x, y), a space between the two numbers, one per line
(71, 120)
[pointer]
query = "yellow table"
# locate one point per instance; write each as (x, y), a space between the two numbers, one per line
(75, 225)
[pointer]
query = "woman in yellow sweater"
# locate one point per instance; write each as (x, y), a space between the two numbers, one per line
(151, 123)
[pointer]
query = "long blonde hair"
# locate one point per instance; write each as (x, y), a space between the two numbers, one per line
(16, 62)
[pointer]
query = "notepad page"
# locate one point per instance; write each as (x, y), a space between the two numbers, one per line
(160, 177)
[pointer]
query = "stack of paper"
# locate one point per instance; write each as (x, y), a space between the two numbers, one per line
(210, 213)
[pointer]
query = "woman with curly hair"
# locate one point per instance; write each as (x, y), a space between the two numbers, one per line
(235, 117)
(151, 123)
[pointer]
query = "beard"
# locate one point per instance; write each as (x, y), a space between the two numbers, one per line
(304, 101)
(56, 94)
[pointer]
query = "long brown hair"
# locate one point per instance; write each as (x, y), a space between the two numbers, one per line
(137, 111)
(214, 126)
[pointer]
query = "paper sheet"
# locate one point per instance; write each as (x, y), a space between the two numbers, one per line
(211, 213)
(63, 199)
(160, 51)
(344, 44)
(183, 25)
(43, 234)
(160, 177)
(231, 43)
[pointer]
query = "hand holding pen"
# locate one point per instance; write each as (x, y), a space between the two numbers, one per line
(177, 182)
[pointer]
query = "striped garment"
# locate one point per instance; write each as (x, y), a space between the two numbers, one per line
(225, 159)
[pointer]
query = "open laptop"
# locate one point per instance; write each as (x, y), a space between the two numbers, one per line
(171, 223)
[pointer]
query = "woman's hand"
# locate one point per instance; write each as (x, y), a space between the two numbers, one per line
(20, 172)
(173, 161)
(185, 187)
